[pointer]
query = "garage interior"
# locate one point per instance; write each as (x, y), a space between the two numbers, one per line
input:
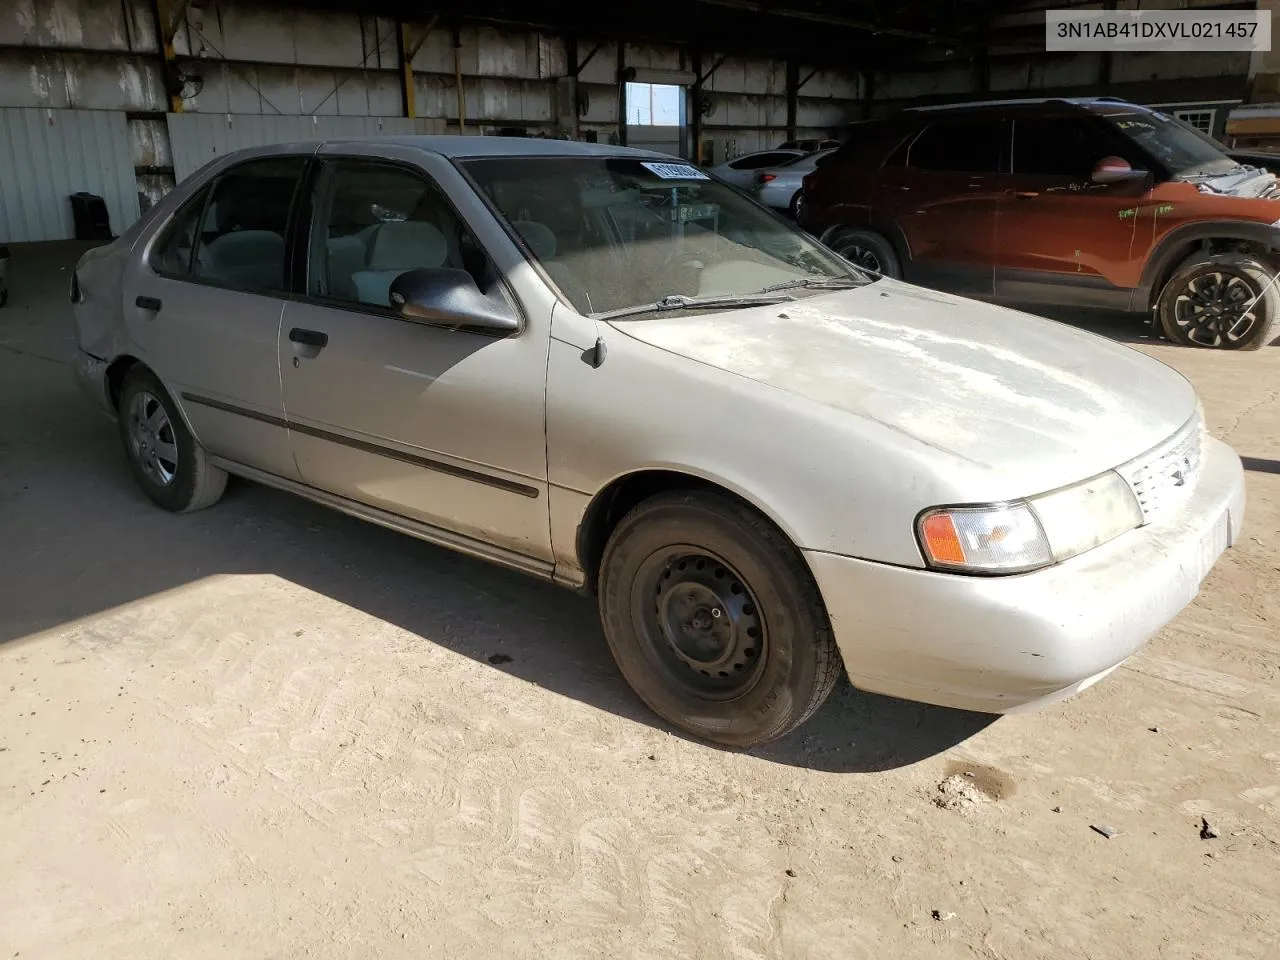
(270, 730)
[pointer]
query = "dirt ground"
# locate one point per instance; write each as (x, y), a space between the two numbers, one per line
(268, 730)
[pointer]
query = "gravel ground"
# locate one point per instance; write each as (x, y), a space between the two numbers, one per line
(268, 730)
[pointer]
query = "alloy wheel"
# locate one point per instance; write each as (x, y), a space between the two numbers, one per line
(1216, 307)
(151, 438)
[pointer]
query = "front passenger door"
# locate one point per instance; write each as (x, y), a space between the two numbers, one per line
(443, 426)
(1062, 237)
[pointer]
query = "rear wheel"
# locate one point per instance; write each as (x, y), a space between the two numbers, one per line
(714, 619)
(166, 461)
(1224, 301)
(868, 250)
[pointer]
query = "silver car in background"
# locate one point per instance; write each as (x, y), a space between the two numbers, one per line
(741, 171)
(607, 369)
(781, 187)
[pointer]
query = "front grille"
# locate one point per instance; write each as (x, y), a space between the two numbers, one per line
(1166, 475)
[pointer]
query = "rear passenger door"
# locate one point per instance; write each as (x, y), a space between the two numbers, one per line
(441, 425)
(942, 192)
(203, 303)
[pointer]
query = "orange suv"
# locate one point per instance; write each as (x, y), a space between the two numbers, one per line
(1087, 202)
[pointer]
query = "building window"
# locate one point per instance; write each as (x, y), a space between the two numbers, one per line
(1202, 120)
(654, 105)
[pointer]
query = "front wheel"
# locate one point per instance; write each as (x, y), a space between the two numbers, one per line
(1224, 301)
(715, 620)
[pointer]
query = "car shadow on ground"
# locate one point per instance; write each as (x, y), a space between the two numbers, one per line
(79, 538)
(1260, 466)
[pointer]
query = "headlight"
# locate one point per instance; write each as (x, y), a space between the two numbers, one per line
(1028, 534)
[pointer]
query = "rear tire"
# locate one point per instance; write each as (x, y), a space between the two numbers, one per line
(714, 619)
(165, 459)
(868, 250)
(1204, 303)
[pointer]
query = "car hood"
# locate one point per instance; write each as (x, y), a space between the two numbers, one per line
(1030, 404)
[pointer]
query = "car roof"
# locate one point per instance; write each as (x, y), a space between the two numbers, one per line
(1091, 104)
(455, 147)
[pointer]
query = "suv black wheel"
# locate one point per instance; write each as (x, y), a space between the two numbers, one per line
(168, 463)
(715, 620)
(1224, 301)
(868, 250)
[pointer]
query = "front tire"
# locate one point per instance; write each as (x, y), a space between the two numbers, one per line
(165, 459)
(867, 249)
(1223, 301)
(715, 620)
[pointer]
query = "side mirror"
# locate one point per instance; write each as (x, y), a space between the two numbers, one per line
(1114, 170)
(450, 297)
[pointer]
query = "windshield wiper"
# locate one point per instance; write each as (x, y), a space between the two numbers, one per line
(819, 283)
(678, 301)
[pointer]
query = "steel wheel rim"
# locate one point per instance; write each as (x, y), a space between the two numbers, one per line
(700, 623)
(152, 442)
(1216, 308)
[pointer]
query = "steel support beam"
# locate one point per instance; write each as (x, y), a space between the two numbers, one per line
(162, 11)
(407, 47)
(793, 96)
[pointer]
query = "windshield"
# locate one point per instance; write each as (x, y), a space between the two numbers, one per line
(618, 232)
(1186, 152)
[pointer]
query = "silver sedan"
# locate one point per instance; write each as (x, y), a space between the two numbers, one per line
(607, 369)
(781, 187)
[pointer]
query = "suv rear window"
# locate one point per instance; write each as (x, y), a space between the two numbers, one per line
(969, 146)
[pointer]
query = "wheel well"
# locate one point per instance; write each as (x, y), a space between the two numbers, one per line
(116, 372)
(611, 504)
(1206, 246)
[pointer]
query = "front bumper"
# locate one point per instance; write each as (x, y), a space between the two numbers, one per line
(1000, 644)
(91, 374)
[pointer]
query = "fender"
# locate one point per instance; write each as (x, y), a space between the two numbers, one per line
(1169, 250)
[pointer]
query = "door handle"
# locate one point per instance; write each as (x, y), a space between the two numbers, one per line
(1025, 194)
(311, 338)
(149, 303)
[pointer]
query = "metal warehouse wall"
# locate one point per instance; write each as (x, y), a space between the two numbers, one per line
(240, 58)
(47, 155)
(198, 138)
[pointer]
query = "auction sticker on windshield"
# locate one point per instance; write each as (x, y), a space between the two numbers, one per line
(674, 171)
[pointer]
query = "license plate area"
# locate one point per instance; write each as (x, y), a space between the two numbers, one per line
(1213, 544)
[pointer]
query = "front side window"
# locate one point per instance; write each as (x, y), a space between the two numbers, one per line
(964, 146)
(617, 232)
(1057, 146)
(242, 240)
(374, 221)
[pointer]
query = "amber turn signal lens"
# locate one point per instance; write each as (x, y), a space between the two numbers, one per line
(941, 539)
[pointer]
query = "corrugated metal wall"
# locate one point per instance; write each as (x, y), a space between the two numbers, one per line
(47, 155)
(198, 138)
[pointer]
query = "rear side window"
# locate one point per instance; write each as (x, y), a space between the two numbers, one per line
(967, 146)
(245, 225)
(761, 160)
(1058, 146)
(172, 255)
